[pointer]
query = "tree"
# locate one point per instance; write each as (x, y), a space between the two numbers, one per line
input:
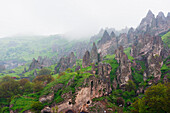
(37, 106)
(44, 71)
(38, 86)
(130, 86)
(44, 78)
(156, 100)
(25, 86)
(120, 101)
(9, 87)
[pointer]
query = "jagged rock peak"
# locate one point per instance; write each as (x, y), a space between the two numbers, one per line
(86, 59)
(131, 30)
(34, 65)
(94, 46)
(161, 14)
(94, 54)
(65, 62)
(105, 38)
(124, 69)
(106, 34)
(150, 14)
(112, 34)
(72, 55)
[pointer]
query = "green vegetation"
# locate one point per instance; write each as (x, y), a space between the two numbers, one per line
(24, 94)
(23, 103)
(127, 52)
(166, 68)
(166, 39)
(156, 100)
(110, 59)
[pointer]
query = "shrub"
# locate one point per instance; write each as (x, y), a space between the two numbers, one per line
(120, 101)
(37, 106)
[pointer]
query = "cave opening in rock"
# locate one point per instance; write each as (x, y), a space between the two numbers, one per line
(69, 103)
(83, 112)
(69, 111)
(91, 86)
(88, 102)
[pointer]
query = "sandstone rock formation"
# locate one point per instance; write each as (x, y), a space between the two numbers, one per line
(47, 98)
(94, 54)
(86, 60)
(35, 65)
(65, 62)
(124, 69)
(92, 87)
(106, 37)
(40, 63)
(153, 25)
(107, 44)
(149, 48)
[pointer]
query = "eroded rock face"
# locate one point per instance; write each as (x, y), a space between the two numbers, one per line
(46, 110)
(86, 60)
(123, 40)
(65, 62)
(124, 69)
(91, 87)
(107, 44)
(40, 63)
(153, 25)
(94, 54)
(105, 38)
(149, 48)
(96, 88)
(154, 66)
(147, 22)
(35, 65)
(131, 35)
(47, 98)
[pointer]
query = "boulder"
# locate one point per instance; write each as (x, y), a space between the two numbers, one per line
(46, 110)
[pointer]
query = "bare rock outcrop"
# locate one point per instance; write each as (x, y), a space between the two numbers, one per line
(40, 63)
(94, 54)
(153, 25)
(46, 110)
(107, 44)
(65, 62)
(150, 49)
(47, 98)
(86, 59)
(92, 87)
(124, 69)
(105, 38)
(35, 65)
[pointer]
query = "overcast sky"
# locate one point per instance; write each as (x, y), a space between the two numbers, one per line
(78, 18)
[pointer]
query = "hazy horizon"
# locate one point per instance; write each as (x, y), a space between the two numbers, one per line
(73, 18)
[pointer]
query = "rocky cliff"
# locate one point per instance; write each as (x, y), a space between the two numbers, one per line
(153, 25)
(124, 69)
(149, 48)
(91, 88)
(66, 62)
(40, 63)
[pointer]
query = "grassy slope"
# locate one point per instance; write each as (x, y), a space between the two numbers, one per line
(166, 39)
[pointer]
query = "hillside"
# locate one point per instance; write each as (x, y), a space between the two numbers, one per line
(128, 73)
